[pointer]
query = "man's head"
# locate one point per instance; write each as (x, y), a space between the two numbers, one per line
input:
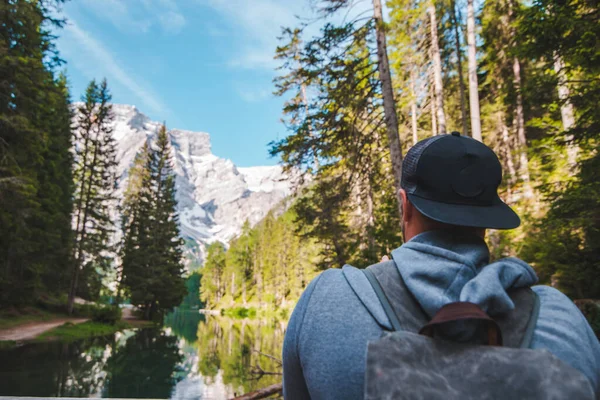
(451, 181)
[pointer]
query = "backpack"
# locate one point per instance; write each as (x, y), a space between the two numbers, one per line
(461, 353)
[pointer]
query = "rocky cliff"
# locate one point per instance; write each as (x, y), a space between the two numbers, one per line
(215, 197)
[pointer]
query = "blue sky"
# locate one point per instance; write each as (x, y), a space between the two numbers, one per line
(202, 65)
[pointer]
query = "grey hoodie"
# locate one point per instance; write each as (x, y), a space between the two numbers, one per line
(324, 350)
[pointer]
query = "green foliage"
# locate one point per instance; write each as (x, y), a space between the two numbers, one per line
(338, 140)
(35, 159)
(7, 344)
(240, 312)
(151, 250)
(212, 283)
(266, 267)
(235, 347)
(184, 323)
(95, 183)
(538, 64)
(566, 242)
(591, 310)
(107, 315)
(71, 332)
(149, 353)
(192, 299)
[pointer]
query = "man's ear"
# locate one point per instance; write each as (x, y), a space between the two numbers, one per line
(406, 209)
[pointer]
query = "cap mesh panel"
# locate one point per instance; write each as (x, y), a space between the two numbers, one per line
(409, 165)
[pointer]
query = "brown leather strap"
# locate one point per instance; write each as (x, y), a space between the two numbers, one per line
(464, 311)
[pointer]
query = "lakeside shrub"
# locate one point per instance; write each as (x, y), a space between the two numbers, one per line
(106, 314)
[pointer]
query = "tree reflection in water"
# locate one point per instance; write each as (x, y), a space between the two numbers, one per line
(216, 355)
(145, 367)
(233, 346)
(55, 369)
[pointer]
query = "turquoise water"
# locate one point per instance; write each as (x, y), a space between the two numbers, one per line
(190, 357)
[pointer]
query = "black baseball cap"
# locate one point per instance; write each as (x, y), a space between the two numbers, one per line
(454, 179)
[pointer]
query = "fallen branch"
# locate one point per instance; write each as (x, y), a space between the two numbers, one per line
(262, 393)
(277, 360)
(257, 370)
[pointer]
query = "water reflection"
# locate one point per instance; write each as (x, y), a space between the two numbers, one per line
(146, 366)
(184, 323)
(55, 369)
(236, 349)
(191, 357)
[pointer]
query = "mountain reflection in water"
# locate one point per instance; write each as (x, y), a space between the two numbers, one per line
(191, 357)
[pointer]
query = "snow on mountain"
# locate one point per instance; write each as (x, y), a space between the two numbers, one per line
(215, 197)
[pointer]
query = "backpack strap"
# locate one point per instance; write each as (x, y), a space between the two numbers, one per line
(387, 307)
(403, 307)
(406, 314)
(518, 324)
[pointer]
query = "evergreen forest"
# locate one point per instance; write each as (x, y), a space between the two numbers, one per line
(85, 235)
(359, 89)
(522, 77)
(59, 236)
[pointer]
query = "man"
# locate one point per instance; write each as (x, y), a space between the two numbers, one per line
(449, 198)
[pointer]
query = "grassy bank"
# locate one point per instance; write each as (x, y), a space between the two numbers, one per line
(7, 344)
(103, 320)
(70, 332)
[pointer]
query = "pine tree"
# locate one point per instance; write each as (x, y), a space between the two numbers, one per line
(151, 250)
(504, 89)
(35, 184)
(345, 124)
(135, 215)
(95, 180)
(389, 105)
(563, 244)
(55, 193)
(212, 282)
(167, 241)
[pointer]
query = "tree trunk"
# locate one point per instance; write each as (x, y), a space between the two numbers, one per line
(432, 107)
(566, 111)
(305, 101)
(263, 393)
(79, 228)
(86, 207)
(459, 69)
(244, 292)
(438, 84)
(510, 165)
(413, 108)
(520, 127)
(389, 105)
(147, 312)
(473, 85)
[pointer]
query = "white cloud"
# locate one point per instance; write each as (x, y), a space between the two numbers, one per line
(259, 22)
(138, 15)
(172, 21)
(93, 59)
(254, 95)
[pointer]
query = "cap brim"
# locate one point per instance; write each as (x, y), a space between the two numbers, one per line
(497, 216)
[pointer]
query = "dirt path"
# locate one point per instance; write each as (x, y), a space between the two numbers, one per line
(31, 330)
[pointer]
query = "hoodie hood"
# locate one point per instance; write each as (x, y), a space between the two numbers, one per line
(441, 267)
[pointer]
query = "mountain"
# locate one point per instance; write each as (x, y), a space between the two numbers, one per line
(215, 197)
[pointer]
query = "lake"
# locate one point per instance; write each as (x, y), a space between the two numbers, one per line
(192, 356)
